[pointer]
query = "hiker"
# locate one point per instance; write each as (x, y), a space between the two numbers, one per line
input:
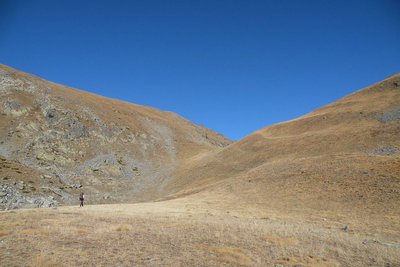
(81, 198)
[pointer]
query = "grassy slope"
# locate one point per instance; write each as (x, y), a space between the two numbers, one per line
(330, 160)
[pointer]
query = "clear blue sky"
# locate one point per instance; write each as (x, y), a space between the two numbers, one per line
(233, 66)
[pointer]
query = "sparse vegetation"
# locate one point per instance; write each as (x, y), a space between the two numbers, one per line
(170, 234)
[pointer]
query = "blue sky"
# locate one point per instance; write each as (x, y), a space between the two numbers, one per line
(233, 66)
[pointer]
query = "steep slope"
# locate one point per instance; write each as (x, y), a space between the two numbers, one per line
(56, 141)
(342, 158)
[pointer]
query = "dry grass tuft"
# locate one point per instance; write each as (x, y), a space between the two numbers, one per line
(43, 260)
(4, 233)
(123, 228)
(230, 255)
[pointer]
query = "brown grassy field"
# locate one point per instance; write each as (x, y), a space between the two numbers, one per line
(189, 232)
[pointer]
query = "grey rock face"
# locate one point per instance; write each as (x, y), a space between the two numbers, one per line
(11, 198)
(385, 151)
(390, 115)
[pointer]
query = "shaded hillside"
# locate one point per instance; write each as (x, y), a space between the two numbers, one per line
(57, 141)
(342, 157)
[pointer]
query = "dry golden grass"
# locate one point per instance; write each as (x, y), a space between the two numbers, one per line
(184, 232)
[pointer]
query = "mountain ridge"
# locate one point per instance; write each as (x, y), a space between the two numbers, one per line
(92, 142)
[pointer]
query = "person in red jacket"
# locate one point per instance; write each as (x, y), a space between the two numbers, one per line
(81, 198)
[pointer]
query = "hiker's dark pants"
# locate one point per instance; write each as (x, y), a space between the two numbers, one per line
(81, 203)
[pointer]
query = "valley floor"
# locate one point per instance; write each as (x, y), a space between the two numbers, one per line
(182, 233)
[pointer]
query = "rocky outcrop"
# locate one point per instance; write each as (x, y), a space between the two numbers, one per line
(11, 198)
